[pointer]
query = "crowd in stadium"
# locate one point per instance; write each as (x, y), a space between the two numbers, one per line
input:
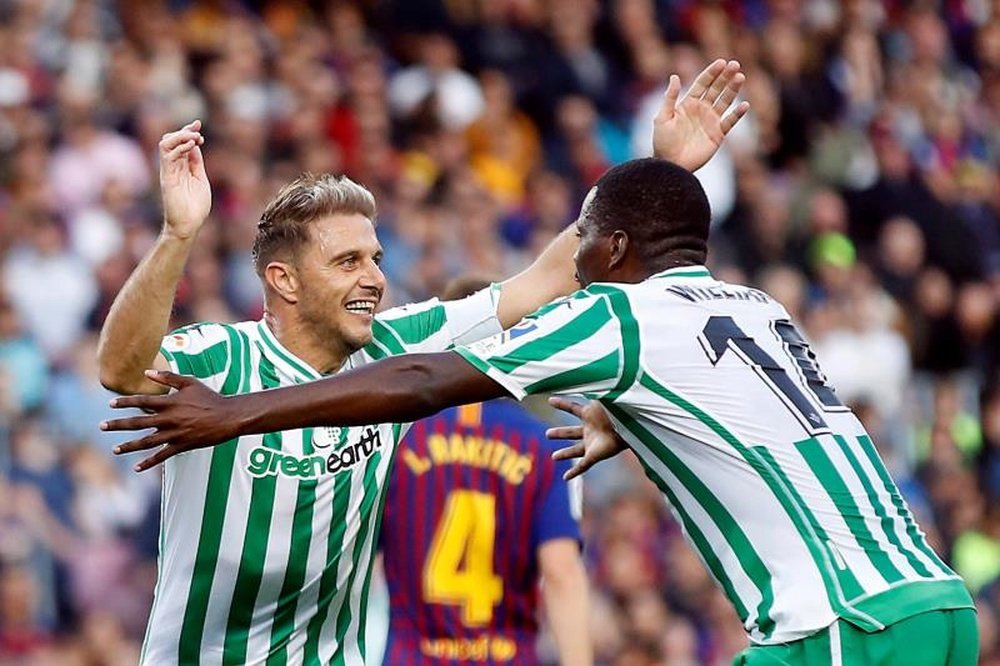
(861, 191)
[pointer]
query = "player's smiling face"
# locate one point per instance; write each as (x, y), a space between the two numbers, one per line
(341, 283)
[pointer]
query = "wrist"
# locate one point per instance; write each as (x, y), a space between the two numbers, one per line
(174, 237)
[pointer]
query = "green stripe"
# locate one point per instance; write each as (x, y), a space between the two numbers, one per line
(702, 272)
(301, 368)
(213, 516)
(572, 332)
(334, 548)
(559, 302)
(797, 510)
(629, 338)
(884, 520)
(385, 337)
(844, 584)
(835, 486)
(897, 501)
(416, 328)
(255, 539)
(602, 369)
(211, 361)
(372, 493)
(749, 561)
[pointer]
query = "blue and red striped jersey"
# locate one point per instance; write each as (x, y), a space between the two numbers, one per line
(473, 494)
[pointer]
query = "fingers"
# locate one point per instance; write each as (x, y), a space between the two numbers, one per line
(130, 423)
(573, 451)
(157, 458)
(722, 81)
(167, 378)
(150, 441)
(576, 470)
(566, 405)
(565, 432)
(190, 133)
(730, 92)
(730, 121)
(669, 99)
(149, 402)
(706, 78)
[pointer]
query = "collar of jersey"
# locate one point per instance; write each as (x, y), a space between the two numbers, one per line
(276, 351)
(683, 272)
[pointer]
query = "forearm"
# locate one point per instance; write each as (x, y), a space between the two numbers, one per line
(140, 316)
(396, 390)
(552, 275)
(566, 607)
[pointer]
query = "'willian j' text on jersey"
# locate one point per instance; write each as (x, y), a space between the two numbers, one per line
(473, 495)
(776, 483)
(267, 541)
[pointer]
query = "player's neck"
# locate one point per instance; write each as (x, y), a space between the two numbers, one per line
(318, 351)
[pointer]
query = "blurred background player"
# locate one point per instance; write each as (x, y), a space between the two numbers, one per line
(477, 512)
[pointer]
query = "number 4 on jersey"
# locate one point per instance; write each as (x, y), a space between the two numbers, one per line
(722, 333)
(459, 569)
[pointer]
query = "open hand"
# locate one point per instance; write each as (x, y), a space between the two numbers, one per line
(187, 194)
(691, 131)
(193, 417)
(596, 434)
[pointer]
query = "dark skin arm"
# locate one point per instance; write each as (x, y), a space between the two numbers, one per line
(395, 390)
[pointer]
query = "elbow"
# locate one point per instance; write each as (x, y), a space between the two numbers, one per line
(112, 377)
(113, 382)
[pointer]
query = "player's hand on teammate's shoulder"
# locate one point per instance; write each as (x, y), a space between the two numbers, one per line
(187, 194)
(689, 131)
(192, 417)
(596, 436)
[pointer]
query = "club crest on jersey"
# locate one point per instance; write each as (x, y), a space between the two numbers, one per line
(263, 461)
(324, 438)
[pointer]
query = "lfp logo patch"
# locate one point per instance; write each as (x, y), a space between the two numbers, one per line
(523, 328)
(177, 342)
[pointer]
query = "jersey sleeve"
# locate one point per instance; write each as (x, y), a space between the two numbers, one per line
(558, 513)
(574, 345)
(203, 351)
(436, 325)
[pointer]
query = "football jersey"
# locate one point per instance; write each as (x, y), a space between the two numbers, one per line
(266, 542)
(776, 483)
(473, 495)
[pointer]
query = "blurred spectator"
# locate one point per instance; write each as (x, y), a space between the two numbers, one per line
(862, 192)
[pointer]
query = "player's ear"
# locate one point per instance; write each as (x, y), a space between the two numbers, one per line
(283, 280)
(619, 243)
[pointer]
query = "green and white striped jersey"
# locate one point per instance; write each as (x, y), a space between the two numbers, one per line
(266, 542)
(775, 482)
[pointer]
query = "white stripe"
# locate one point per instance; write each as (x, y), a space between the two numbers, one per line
(836, 659)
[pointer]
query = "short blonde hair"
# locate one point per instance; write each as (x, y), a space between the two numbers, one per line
(284, 225)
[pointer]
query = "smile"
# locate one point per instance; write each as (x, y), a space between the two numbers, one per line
(364, 307)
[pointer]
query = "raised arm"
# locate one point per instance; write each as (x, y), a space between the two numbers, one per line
(687, 131)
(140, 314)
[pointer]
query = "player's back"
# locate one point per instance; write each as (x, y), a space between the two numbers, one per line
(776, 482)
(465, 513)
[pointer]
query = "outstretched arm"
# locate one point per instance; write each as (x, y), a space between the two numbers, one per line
(395, 390)
(140, 315)
(687, 131)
